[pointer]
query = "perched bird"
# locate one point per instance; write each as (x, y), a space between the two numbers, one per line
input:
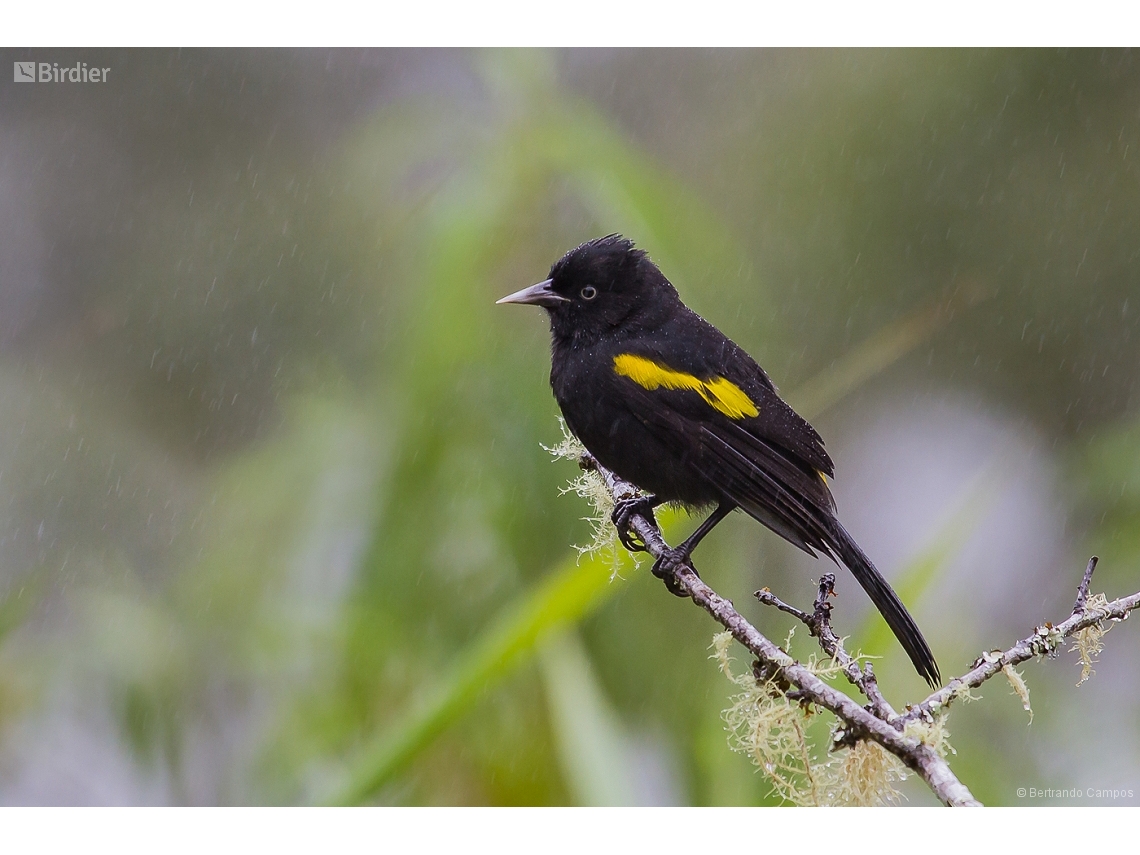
(667, 402)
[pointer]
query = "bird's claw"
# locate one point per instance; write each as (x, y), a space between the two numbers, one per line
(624, 512)
(665, 568)
(671, 560)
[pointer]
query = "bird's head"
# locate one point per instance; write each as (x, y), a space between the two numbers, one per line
(595, 287)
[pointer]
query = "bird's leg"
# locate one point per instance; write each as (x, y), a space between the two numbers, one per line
(625, 510)
(711, 521)
(665, 567)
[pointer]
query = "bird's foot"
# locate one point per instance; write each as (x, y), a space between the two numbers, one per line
(624, 512)
(665, 568)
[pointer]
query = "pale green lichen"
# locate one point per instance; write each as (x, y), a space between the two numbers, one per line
(1087, 642)
(589, 485)
(932, 733)
(764, 725)
(962, 692)
(1017, 681)
(772, 731)
(1045, 640)
(864, 776)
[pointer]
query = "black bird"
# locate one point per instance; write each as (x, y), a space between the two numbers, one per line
(666, 401)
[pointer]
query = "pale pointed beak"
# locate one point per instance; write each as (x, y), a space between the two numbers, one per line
(541, 294)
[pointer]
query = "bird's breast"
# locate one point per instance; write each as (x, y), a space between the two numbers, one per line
(617, 421)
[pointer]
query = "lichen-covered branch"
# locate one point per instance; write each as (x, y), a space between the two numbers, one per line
(899, 734)
(858, 723)
(819, 624)
(1091, 618)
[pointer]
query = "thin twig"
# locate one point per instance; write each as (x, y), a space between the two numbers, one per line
(819, 625)
(769, 599)
(1083, 590)
(1046, 640)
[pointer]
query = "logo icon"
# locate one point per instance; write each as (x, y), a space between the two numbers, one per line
(24, 72)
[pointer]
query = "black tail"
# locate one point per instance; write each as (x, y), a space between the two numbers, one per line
(888, 604)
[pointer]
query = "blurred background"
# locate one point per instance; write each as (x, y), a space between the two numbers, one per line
(276, 523)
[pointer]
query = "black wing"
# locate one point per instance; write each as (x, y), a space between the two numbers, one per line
(690, 343)
(771, 465)
(775, 490)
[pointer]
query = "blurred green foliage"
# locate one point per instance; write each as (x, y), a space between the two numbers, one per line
(279, 527)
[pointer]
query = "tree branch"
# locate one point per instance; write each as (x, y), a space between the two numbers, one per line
(878, 721)
(858, 722)
(1045, 640)
(819, 625)
(1083, 589)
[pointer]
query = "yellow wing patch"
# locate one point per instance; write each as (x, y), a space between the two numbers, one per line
(720, 394)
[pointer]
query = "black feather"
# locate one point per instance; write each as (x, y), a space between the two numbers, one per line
(888, 604)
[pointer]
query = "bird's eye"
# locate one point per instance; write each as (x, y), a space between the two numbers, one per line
(589, 292)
